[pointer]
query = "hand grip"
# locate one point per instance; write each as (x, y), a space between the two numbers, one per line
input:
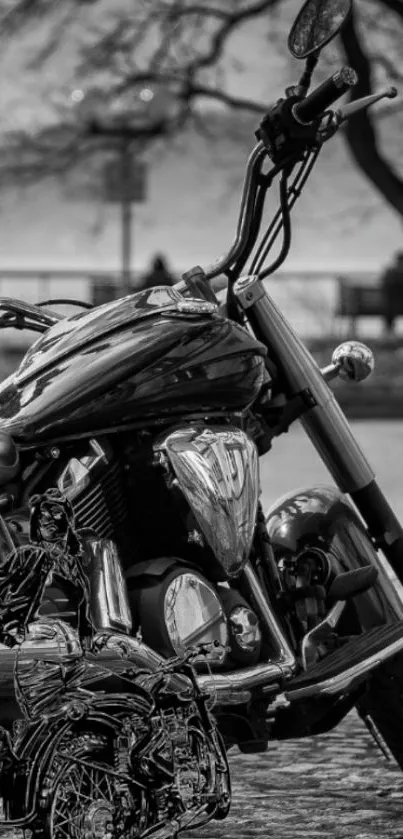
(314, 105)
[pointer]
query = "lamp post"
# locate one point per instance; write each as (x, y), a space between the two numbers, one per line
(125, 177)
(126, 208)
(124, 184)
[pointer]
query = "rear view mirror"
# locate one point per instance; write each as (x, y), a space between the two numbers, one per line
(316, 24)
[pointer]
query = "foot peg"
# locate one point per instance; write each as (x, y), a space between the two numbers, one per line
(351, 583)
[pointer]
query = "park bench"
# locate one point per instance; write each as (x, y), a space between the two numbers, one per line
(358, 300)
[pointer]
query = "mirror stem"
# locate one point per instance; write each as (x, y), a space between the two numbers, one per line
(305, 80)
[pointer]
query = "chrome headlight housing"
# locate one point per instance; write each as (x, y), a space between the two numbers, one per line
(217, 471)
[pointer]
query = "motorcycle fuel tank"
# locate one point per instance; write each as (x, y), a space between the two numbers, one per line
(141, 358)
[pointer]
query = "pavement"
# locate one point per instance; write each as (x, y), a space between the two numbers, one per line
(334, 786)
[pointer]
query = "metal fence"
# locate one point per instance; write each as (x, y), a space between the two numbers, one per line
(309, 299)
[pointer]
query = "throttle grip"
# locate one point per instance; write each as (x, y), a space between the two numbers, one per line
(314, 105)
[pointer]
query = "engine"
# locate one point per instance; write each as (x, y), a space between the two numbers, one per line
(129, 525)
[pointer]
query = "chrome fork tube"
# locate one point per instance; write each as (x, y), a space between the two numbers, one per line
(283, 653)
(324, 420)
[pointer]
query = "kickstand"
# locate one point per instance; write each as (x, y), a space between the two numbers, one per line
(377, 737)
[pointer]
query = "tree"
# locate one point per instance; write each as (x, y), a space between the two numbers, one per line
(150, 66)
(368, 154)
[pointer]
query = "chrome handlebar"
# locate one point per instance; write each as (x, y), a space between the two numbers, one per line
(253, 166)
(244, 220)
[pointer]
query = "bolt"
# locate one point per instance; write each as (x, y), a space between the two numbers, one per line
(249, 295)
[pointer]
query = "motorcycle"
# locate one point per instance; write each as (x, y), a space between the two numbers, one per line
(152, 616)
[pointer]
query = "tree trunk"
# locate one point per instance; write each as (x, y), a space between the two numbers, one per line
(360, 132)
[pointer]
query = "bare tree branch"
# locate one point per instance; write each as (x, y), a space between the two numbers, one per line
(179, 49)
(394, 6)
(360, 132)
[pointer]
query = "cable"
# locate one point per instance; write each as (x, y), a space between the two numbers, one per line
(286, 225)
(277, 223)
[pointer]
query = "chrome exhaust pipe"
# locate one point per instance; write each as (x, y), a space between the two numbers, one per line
(36, 670)
(121, 653)
(235, 688)
(36, 673)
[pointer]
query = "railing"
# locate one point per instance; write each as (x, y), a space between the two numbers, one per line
(309, 299)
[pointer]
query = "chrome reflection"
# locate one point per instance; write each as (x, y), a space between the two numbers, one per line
(109, 604)
(245, 628)
(49, 662)
(217, 470)
(194, 615)
(77, 475)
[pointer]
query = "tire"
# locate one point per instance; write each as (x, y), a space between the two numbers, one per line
(81, 793)
(383, 704)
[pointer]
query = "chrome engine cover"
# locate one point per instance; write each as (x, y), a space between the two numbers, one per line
(217, 471)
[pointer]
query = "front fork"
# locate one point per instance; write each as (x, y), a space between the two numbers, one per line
(323, 419)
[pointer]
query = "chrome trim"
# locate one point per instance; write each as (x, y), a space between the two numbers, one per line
(117, 654)
(225, 686)
(194, 616)
(283, 665)
(245, 628)
(77, 474)
(217, 470)
(109, 602)
(319, 632)
(324, 422)
(55, 641)
(353, 360)
(283, 653)
(344, 681)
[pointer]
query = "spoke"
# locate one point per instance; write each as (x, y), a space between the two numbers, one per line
(73, 779)
(80, 786)
(109, 785)
(97, 781)
(61, 822)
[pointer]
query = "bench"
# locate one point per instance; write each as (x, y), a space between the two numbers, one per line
(360, 300)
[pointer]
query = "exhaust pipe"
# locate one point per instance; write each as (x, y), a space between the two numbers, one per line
(121, 653)
(37, 673)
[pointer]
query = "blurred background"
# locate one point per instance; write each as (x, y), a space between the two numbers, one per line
(125, 126)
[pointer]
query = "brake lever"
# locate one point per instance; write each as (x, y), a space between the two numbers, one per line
(342, 114)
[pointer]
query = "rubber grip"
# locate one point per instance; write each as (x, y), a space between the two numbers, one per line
(314, 105)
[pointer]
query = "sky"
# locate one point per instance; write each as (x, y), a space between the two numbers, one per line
(193, 189)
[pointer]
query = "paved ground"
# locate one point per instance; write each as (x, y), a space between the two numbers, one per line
(336, 786)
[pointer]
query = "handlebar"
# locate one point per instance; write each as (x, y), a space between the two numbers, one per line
(305, 112)
(33, 316)
(253, 166)
(314, 105)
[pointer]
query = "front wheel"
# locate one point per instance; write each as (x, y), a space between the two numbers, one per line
(383, 704)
